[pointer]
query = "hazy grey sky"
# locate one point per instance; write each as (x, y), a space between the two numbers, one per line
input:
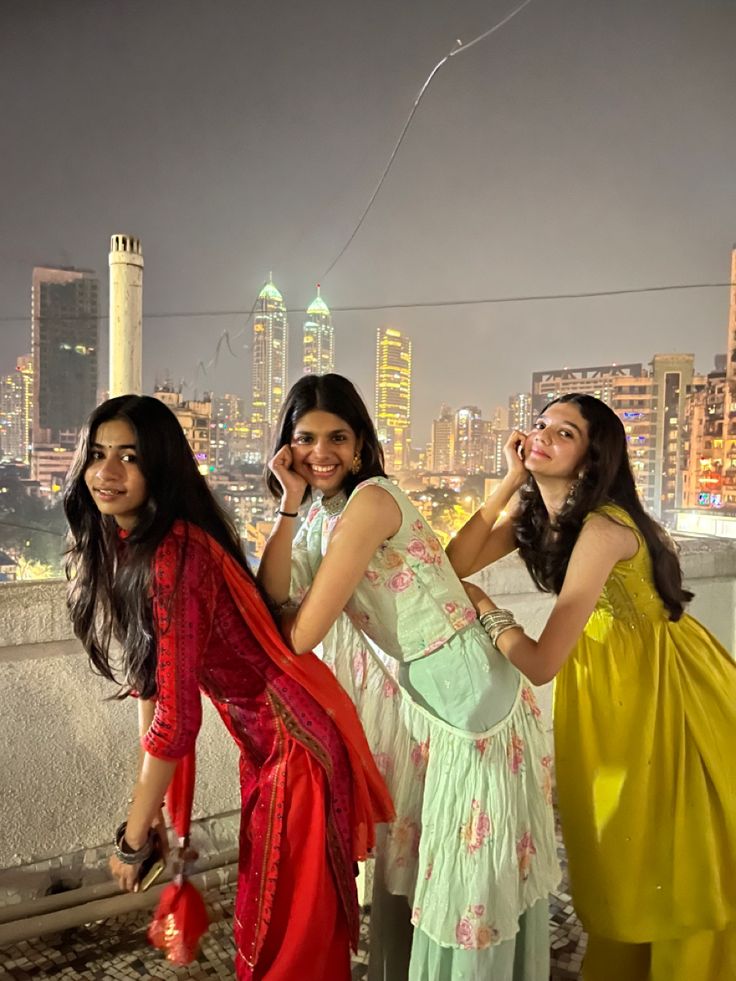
(588, 145)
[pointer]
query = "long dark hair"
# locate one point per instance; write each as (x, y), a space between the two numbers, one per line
(606, 478)
(109, 586)
(337, 395)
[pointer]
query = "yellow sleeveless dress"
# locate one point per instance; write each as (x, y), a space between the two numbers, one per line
(645, 739)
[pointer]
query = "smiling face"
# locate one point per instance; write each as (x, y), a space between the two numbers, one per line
(323, 447)
(112, 476)
(558, 443)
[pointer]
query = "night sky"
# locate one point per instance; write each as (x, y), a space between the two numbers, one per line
(588, 145)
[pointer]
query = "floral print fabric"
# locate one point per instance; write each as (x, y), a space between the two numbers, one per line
(472, 846)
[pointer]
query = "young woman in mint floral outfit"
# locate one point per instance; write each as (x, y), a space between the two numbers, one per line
(470, 859)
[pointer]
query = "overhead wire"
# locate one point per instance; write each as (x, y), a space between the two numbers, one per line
(226, 339)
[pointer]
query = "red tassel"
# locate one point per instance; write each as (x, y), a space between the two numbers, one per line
(179, 923)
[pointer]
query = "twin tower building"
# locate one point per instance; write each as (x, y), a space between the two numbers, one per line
(270, 371)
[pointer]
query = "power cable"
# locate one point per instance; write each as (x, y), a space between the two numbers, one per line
(408, 305)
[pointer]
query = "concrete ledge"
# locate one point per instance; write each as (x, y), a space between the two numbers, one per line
(33, 613)
(68, 754)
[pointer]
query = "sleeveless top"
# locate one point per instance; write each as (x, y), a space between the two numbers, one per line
(409, 601)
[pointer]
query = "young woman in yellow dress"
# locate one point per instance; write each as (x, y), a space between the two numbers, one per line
(644, 706)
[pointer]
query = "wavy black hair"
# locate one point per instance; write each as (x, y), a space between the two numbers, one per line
(337, 395)
(109, 586)
(606, 478)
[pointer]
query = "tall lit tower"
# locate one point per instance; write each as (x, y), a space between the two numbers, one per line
(65, 314)
(12, 444)
(393, 396)
(443, 441)
(319, 338)
(126, 315)
(520, 411)
(270, 362)
(24, 367)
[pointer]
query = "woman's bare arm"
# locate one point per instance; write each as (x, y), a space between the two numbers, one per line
(601, 544)
(489, 535)
(370, 518)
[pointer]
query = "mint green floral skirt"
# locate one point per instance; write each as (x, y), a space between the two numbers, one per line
(472, 853)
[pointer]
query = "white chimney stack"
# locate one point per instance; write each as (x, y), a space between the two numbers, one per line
(126, 315)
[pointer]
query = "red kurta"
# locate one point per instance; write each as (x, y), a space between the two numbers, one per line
(296, 907)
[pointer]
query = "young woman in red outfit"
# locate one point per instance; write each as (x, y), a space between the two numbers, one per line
(156, 565)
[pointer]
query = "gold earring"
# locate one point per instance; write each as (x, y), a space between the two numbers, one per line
(357, 463)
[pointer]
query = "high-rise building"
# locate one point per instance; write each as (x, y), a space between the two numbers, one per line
(469, 437)
(597, 381)
(705, 463)
(12, 438)
(319, 338)
(672, 376)
(65, 315)
(710, 480)
(393, 396)
(520, 412)
(228, 414)
(442, 447)
(24, 367)
(270, 363)
(195, 416)
(632, 398)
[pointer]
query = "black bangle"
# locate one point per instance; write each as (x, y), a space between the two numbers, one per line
(288, 514)
(123, 850)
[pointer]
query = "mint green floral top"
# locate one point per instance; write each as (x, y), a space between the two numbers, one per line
(410, 601)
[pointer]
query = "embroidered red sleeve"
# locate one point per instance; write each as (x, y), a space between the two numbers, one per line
(182, 619)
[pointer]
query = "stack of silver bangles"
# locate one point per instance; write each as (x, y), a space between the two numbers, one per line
(496, 622)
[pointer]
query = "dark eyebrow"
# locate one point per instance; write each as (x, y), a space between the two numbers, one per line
(333, 432)
(119, 446)
(565, 422)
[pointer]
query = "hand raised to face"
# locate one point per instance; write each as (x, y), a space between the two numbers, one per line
(293, 485)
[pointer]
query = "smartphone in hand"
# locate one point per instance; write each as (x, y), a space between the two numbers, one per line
(152, 868)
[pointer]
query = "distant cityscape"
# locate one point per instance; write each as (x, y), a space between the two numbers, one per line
(680, 425)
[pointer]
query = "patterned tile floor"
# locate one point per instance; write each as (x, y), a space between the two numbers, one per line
(116, 949)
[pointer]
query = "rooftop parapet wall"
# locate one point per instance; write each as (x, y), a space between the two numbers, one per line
(68, 755)
(709, 566)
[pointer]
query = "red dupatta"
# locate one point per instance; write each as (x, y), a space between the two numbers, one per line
(372, 803)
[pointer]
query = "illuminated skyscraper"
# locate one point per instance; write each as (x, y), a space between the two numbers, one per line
(319, 338)
(520, 412)
(270, 362)
(443, 441)
(228, 415)
(672, 376)
(24, 367)
(393, 396)
(65, 314)
(469, 431)
(12, 443)
(710, 482)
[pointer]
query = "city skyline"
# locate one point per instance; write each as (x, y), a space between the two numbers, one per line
(586, 146)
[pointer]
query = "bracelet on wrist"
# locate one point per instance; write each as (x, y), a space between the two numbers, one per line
(496, 622)
(288, 514)
(128, 855)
